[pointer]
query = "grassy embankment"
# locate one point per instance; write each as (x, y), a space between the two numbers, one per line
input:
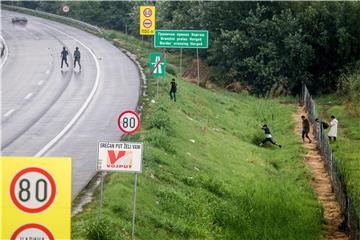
(204, 177)
(346, 147)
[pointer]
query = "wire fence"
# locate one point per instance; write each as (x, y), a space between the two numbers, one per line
(352, 219)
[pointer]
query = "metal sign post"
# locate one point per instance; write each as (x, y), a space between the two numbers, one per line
(134, 208)
(198, 66)
(180, 62)
(101, 192)
(157, 87)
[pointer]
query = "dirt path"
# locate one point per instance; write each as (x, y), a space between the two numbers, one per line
(322, 184)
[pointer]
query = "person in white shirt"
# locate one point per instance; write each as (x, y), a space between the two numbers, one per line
(333, 128)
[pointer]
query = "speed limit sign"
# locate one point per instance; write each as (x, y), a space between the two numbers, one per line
(32, 231)
(129, 122)
(33, 190)
(35, 198)
(66, 8)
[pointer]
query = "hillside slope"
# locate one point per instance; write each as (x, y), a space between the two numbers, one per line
(205, 177)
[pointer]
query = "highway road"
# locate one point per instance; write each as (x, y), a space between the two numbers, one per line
(49, 112)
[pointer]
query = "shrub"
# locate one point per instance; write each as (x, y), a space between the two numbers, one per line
(99, 229)
(158, 138)
(160, 120)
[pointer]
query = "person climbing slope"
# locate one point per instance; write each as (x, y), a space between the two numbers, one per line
(268, 136)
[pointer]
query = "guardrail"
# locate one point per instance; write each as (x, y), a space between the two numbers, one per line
(70, 21)
(352, 219)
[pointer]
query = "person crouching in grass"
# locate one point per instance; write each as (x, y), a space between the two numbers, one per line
(268, 136)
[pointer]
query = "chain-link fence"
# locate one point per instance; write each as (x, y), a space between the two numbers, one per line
(352, 219)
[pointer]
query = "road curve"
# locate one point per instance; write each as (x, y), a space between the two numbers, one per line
(48, 112)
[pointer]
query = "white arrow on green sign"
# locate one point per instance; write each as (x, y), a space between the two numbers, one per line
(181, 39)
(157, 64)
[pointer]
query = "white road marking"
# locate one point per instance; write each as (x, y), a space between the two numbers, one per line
(83, 107)
(8, 113)
(47, 71)
(6, 51)
(27, 97)
(40, 82)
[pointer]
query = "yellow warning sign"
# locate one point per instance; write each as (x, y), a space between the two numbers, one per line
(147, 20)
(35, 198)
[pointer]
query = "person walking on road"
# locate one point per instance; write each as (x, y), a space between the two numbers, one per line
(173, 90)
(333, 128)
(64, 54)
(306, 129)
(268, 136)
(77, 57)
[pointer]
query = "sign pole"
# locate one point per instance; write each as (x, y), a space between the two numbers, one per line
(157, 87)
(180, 62)
(198, 66)
(101, 192)
(134, 208)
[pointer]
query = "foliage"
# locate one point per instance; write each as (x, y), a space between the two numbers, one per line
(99, 229)
(350, 89)
(258, 44)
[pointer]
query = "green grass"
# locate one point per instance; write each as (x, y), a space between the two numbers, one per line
(347, 145)
(204, 176)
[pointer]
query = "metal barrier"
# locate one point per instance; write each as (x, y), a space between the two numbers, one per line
(352, 219)
(67, 20)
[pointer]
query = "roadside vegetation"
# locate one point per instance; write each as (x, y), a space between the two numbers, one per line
(264, 46)
(346, 147)
(205, 177)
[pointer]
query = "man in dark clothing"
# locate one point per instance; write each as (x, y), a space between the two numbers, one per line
(77, 58)
(64, 54)
(306, 129)
(268, 136)
(173, 90)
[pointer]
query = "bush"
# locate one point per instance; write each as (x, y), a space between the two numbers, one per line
(171, 70)
(160, 120)
(158, 138)
(100, 229)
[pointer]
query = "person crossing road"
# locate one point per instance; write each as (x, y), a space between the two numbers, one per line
(77, 57)
(64, 54)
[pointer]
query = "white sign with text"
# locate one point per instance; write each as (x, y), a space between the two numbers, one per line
(120, 156)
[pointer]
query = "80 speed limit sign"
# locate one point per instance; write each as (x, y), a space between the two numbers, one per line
(33, 190)
(129, 122)
(36, 198)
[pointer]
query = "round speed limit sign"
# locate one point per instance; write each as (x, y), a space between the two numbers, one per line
(66, 8)
(129, 122)
(33, 190)
(32, 231)
(147, 12)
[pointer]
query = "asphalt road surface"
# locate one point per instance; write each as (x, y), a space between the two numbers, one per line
(49, 112)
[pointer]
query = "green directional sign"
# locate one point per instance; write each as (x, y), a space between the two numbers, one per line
(181, 39)
(157, 64)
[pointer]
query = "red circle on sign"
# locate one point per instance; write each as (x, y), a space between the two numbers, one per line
(52, 184)
(147, 12)
(124, 130)
(147, 23)
(32, 225)
(66, 8)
